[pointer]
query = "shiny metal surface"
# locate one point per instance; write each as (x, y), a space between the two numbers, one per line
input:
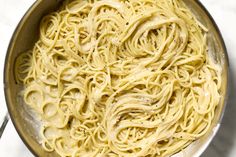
(26, 34)
(3, 124)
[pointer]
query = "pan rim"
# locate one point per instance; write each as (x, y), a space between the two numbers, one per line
(9, 49)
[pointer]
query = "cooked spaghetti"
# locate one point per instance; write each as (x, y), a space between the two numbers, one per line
(127, 78)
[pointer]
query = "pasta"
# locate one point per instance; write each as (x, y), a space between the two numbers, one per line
(120, 78)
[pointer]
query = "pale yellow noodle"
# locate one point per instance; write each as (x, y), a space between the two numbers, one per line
(120, 78)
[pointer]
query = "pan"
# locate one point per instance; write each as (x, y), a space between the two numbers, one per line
(23, 39)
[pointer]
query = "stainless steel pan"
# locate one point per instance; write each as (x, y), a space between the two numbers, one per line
(26, 34)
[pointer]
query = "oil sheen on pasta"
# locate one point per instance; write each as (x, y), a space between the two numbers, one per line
(128, 78)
